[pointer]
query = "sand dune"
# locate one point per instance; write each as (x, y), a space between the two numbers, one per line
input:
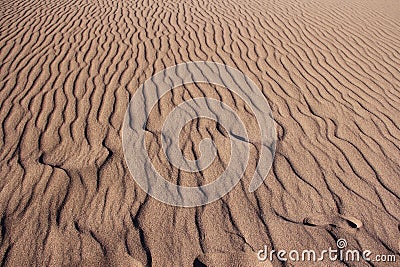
(329, 69)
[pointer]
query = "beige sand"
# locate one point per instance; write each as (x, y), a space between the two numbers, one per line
(330, 72)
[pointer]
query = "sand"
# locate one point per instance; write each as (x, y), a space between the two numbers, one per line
(68, 69)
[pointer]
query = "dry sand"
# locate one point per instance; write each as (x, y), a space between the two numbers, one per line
(330, 72)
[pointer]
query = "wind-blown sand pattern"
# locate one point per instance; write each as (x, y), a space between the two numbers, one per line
(330, 72)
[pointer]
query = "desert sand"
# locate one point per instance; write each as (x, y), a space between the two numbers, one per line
(329, 69)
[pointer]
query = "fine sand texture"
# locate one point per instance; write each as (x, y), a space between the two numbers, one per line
(329, 69)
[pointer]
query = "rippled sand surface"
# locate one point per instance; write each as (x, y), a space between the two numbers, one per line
(329, 69)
